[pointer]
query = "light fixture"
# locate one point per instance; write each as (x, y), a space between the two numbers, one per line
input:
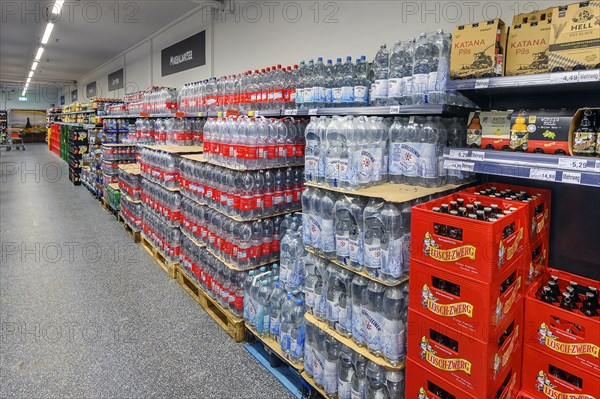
(34, 65)
(47, 33)
(39, 53)
(27, 81)
(57, 7)
(30, 73)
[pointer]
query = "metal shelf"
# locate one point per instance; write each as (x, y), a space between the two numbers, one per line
(71, 113)
(543, 167)
(84, 125)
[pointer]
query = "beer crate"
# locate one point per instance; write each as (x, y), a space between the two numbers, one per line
(545, 376)
(463, 303)
(538, 209)
(475, 248)
(569, 336)
(461, 358)
(535, 261)
(424, 384)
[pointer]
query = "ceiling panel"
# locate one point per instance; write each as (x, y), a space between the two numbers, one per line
(87, 34)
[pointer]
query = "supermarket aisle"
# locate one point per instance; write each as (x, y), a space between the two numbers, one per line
(85, 313)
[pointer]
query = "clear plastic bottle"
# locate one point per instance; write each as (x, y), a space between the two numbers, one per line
(395, 78)
(359, 302)
(318, 91)
(391, 245)
(345, 373)
(343, 226)
(376, 387)
(374, 233)
(407, 72)
(327, 220)
(394, 328)
(337, 84)
(372, 317)
(356, 239)
(361, 83)
(422, 67)
(440, 69)
(359, 379)
(329, 84)
(394, 381)
(298, 333)
(332, 348)
(381, 75)
(337, 157)
(347, 80)
(333, 293)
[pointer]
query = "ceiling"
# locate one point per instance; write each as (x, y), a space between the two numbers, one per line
(87, 34)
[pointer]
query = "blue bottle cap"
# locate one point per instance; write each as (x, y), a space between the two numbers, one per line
(339, 60)
(319, 58)
(348, 58)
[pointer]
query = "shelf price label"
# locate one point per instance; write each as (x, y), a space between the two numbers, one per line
(571, 177)
(572, 163)
(482, 83)
(477, 155)
(564, 77)
(313, 111)
(589, 76)
(542, 174)
(460, 154)
(288, 112)
(459, 165)
(394, 109)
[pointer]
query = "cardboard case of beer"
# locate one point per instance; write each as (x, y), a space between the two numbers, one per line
(534, 16)
(465, 304)
(578, 142)
(568, 336)
(575, 37)
(527, 48)
(460, 357)
(477, 249)
(423, 384)
(548, 130)
(474, 50)
(546, 376)
(495, 129)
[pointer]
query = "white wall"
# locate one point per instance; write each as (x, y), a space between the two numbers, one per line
(39, 96)
(263, 33)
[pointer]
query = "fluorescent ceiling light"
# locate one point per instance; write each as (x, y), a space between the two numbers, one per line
(28, 80)
(30, 73)
(47, 33)
(34, 65)
(57, 7)
(39, 54)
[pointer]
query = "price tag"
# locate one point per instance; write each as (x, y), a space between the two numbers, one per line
(571, 177)
(313, 111)
(482, 83)
(294, 112)
(477, 155)
(589, 76)
(220, 114)
(252, 113)
(564, 77)
(459, 165)
(288, 112)
(572, 163)
(542, 174)
(200, 114)
(395, 109)
(460, 154)
(597, 167)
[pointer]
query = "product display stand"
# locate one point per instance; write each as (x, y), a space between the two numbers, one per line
(78, 147)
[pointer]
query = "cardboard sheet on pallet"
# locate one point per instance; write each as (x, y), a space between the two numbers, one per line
(130, 168)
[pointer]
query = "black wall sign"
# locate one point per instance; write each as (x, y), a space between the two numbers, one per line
(62, 100)
(74, 95)
(115, 80)
(90, 90)
(187, 54)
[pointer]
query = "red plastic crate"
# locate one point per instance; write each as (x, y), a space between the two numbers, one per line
(482, 254)
(423, 384)
(534, 266)
(569, 336)
(524, 395)
(545, 376)
(471, 364)
(463, 303)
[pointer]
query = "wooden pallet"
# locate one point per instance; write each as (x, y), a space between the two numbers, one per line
(135, 234)
(232, 325)
(169, 267)
(109, 209)
(273, 348)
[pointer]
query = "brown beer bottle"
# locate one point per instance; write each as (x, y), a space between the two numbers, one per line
(474, 132)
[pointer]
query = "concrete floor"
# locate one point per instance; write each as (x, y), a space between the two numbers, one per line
(85, 313)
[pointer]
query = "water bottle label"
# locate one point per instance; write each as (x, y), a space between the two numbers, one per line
(308, 95)
(361, 94)
(332, 170)
(437, 82)
(373, 255)
(297, 345)
(366, 165)
(353, 249)
(329, 95)
(330, 377)
(315, 229)
(318, 367)
(309, 297)
(327, 236)
(344, 389)
(299, 94)
(318, 94)
(393, 346)
(372, 322)
(394, 87)
(391, 258)
(347, 95)
(381, 88)
(345, 319)
(356, 394)
(342, 245)
(333, 311)
(407, 85)
(286, 341)
(421, 81)
(308, 359)
(337, 95)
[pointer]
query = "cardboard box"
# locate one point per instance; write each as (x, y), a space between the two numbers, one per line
(575, 37)
(534, 16)
(527, 49)
(474, 50)
(574, 141)
(495, 129)
(548, 131)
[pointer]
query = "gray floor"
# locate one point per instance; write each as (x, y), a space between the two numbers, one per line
(84, 313)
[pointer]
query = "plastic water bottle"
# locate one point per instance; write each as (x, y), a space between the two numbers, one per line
(345, 373)
(356, 239)
(337, 158)
(333, 294)
(427, 167)
(442, 141)
(327, 220)
(361, 83)
(381, 75)
(422, 67)
(408, 49)
(397, 139)
(343, 225)
(310, 282)
(405, 210)
(394, 381)
(394, 329)
(373, 318)
(276, 302)
(410, 152)
(263, 310)
(347, 80)
(320, 309)
(345, 302)
(359, 302)
(298, 333)
(329, 83)
(391, 247)
(309, 350)
(285, 338)
(374, 232)
(318, 91)
(312, 151)
(332, 348)
(395, 78)
(322, 127)
(337, 83)
(296, 271)
(319, 357)
(359, 379)
(376, 387)
(440, 69)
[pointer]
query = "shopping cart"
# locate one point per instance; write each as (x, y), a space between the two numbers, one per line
(17, 141)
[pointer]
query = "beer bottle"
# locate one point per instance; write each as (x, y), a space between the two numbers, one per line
(547, 295)
(554, 289)
(574, 296)
(519, 136)
(588, 307)
(584, 136)
(566, 302)
(474, 132)
(594, 292)
(499, 64)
